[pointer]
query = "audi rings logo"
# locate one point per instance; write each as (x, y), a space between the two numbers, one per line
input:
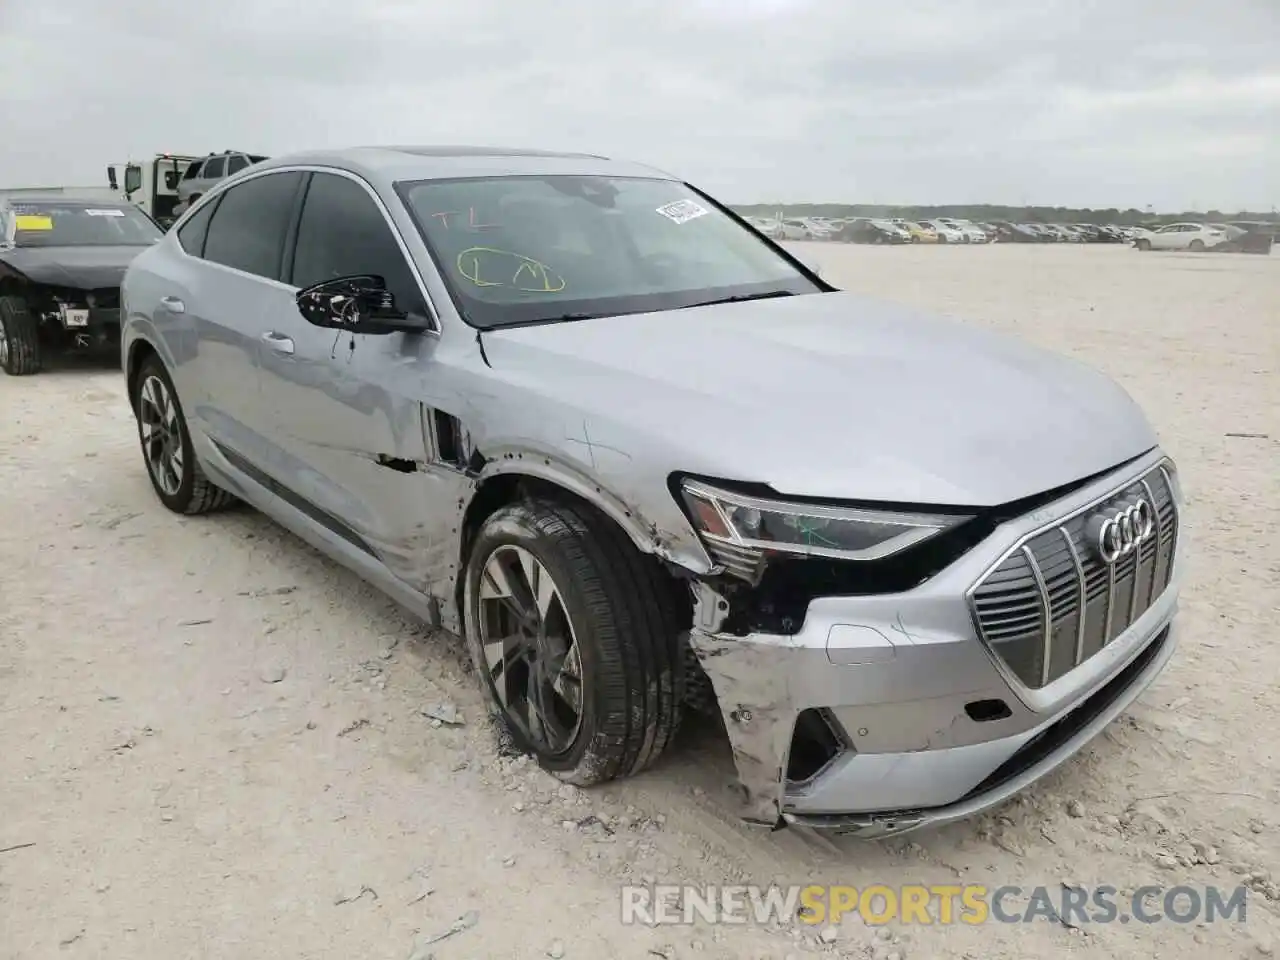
(1115, 535)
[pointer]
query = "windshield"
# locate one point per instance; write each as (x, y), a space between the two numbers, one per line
(64, 224)
(530, 249)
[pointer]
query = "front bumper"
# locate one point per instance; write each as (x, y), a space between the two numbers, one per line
(81, 319)
(927, 726)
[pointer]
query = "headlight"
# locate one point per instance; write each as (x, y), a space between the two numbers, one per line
(739, 527)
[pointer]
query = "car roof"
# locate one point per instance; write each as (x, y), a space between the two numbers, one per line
(390, 164)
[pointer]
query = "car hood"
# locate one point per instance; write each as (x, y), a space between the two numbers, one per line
(83, 268)
(830, 395)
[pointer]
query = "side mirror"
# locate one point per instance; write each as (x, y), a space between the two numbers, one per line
(361, 304)
(111, 178)
(132, 178)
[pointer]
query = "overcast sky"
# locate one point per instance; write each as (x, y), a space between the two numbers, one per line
(1173, 103)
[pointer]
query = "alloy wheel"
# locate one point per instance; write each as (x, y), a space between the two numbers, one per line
(530, 650)
(161, 434)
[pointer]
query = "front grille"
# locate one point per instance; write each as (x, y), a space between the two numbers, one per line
(1053, 603)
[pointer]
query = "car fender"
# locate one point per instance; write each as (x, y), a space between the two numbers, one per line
(136, 334)
(679, 547)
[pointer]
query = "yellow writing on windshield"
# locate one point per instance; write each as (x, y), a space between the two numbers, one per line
(486, 267)
(30, 221)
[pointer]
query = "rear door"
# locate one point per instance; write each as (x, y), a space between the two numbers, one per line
(346, 427)
(231, 290)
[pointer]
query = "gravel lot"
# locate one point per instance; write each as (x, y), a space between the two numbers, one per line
(214, 746)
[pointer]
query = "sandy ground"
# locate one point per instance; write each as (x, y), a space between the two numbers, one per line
(213, 740)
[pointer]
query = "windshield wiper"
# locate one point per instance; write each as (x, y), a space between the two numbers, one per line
(741, 298)
(565, 317)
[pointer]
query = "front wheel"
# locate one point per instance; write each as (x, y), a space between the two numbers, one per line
(575, 636)
(1143, 245)
(20, 354)
(175, 473)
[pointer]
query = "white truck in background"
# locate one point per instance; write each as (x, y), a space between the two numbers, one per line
(168, 183)
(151, 185)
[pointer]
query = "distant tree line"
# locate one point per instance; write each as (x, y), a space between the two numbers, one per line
(985, 212)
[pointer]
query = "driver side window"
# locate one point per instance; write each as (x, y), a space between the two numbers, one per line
(342, 233)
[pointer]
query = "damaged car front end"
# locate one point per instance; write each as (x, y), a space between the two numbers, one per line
(876, 705)
(61, 265)
(636, 455)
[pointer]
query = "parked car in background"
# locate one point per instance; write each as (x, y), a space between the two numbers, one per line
(793, 228)
(61, 263)
(201, 175)
(869, 230)
(1007, 232)
(920, 232)
(1259, 235)
(1042, 232)
(819, 228)
(1182, 236)
(501, 419)
(945, 232)
(971, 231)
(880, 231)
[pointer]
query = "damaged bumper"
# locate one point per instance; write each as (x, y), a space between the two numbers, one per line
(887, 713)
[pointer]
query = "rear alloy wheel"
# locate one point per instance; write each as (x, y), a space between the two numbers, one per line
(20, 354)
(175, 473)
(575, 635)
(1197, 246)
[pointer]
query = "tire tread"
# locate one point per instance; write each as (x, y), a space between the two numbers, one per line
(205, 495)
(25, 356)
(634, 612)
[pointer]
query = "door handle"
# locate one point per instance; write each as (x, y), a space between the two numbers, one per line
(173, 305)
(278, 342)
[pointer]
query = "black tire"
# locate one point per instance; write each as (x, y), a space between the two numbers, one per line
(626, 626)
(194, 493)
(20, 353)
(1197, 246)
(1143, 244)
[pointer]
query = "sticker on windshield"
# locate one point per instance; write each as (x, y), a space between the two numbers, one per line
(105, 213)
(682, 211)
(31, 221)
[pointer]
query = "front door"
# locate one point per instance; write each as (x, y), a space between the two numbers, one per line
(346, 409)
(1167, 238)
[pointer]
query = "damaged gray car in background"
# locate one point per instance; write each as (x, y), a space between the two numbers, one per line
(577, 412)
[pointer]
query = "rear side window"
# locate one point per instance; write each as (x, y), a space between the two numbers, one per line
(247, 230)
(192, 234)
(214, 167)
(342, 233)
(236, 164)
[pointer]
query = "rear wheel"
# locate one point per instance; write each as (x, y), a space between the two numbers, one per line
(575, 635)
(175, 473)
(1197, 246)
(1143, 244)
(20, 353)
